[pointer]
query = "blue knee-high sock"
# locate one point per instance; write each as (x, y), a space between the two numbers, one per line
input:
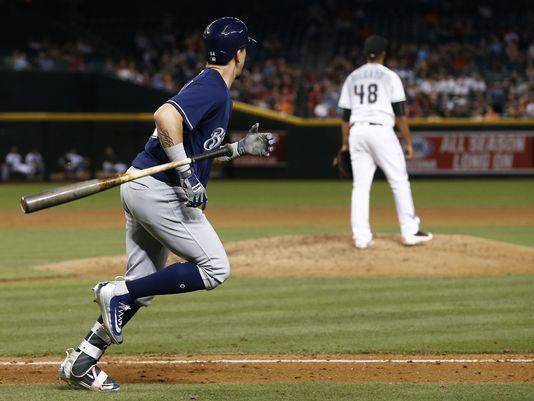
(174, 279)
(128, 314)
(93, 339)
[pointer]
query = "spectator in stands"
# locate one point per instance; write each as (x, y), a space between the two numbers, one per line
(34, 159)
(19, 61)
(111, 165)
(529, 107)
(74, 165)
(14, 165)
(490, 114)
(448, 59)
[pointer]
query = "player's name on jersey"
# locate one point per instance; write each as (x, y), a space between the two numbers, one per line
(368, 74)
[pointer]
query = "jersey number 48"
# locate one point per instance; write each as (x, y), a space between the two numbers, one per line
(359, 90)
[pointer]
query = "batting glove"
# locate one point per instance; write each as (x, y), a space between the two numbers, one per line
(193, 188)
(256, 143)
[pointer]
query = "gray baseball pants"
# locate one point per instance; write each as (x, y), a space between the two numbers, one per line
(157, 221)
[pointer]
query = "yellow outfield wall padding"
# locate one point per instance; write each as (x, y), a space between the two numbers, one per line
(69, 117)
(253, 111)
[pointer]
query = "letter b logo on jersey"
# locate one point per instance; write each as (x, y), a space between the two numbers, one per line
(216, 138)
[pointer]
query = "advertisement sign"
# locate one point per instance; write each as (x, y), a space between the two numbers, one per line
(476, 152)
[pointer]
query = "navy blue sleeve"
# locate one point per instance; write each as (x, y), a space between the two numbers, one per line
(195, 101)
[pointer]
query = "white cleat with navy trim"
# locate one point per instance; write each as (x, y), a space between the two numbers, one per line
(113, 299)
(94, 378)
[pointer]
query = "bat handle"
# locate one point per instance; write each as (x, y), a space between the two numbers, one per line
(225, 150)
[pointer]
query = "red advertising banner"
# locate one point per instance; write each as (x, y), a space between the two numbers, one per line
(278, 157)
(476, 152)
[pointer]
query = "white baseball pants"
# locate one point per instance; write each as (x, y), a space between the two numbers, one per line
(371, 146)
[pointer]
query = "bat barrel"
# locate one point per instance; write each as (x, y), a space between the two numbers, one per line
(57, 196)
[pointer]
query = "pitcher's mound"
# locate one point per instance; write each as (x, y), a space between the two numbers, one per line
(333, 255)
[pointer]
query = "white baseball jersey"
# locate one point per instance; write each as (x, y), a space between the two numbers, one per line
(33, 159)
(13, 159)
(15, 164)
(369, 91)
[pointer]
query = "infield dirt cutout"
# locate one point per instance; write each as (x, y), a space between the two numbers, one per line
(279, 217)
(333, 255)
(291, 368)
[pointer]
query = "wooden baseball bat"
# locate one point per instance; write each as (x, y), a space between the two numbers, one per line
(68, 193)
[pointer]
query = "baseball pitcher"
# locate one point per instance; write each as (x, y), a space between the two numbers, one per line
(164, 212)
(373, 100)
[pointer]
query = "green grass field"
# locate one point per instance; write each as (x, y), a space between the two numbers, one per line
(281, 391)
(222, 193)
(253, 315)
(274, 315)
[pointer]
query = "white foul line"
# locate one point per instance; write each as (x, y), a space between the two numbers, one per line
(258, 361)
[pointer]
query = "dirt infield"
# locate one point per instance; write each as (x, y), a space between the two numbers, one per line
(305, 256)
(285, 217)
(294, 368)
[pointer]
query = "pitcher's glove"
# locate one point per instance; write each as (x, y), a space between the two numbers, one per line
(193, 188)
(343, 164)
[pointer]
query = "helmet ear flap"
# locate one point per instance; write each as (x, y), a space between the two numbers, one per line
(212, 58)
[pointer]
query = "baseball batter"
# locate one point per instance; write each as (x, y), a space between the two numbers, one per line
(164, 212)
(373, 100)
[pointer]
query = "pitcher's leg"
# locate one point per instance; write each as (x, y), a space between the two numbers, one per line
(363, 170)
(390, 158)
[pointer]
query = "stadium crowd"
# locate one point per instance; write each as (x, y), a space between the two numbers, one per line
(451, 68)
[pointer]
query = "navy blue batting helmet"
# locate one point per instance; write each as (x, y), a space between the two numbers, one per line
(224, 37)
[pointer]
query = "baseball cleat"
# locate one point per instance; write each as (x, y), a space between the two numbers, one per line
(418, 238)
(364, 245)
(93, 378)
(113, 299)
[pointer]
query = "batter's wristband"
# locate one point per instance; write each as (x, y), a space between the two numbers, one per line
(235, 150)
(176, 153)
